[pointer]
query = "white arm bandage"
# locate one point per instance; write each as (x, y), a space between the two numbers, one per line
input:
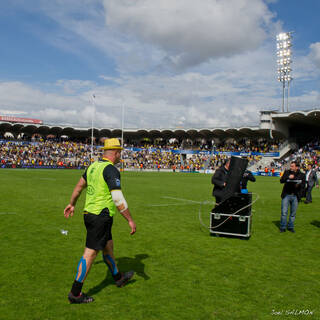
(119, 200)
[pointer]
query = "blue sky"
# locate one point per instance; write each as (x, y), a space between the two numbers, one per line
(181, 63)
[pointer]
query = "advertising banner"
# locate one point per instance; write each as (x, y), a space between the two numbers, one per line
(20, 120)
(268, 174)
(206, 152)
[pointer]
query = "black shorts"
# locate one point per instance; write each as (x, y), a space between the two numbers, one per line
(98, 229)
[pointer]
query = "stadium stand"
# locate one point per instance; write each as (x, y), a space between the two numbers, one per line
(39, 153)
(23, 154)
(278, 139)
(307, 154)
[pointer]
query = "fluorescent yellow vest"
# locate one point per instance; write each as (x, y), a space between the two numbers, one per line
(98, 195)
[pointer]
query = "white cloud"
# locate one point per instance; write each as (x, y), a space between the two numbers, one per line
(192, 32)
(59, 107)
(7, 112)
(315, 53)
(75, 86)
(229, 95)
(145, 35)
(227, 70)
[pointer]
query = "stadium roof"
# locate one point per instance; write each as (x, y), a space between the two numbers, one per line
(280, 123)
(310, 117)
(133, 133)
(293, 124)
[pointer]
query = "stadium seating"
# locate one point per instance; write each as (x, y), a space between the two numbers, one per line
(70, 154)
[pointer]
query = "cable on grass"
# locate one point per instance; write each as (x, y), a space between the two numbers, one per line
(232, 215)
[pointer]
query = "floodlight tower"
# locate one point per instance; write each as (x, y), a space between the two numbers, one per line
(284, 54)
(92, 116)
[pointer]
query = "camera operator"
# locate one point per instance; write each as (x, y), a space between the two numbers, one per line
(219, 181)
(294, 181)
(247, 176)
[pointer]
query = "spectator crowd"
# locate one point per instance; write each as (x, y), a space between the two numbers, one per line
(18, 154)
(70, 154)
(165, 159)
(52, 153)
(308, 154)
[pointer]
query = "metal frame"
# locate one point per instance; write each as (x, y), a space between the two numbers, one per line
(240, 217)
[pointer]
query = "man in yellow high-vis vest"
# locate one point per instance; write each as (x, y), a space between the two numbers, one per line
(103, 197)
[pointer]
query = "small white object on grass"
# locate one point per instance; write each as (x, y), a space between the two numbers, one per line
(65, 232)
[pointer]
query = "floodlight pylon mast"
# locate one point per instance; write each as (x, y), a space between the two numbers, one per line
(283, 90)
(93, 112)
(284, 61)
(122, 135)
(288, 94)
(122, 125)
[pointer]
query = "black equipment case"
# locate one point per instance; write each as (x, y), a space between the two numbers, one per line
(232, 217)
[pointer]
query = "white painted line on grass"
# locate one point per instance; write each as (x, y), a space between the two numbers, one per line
(166, 205)
(181, 199)
(186, 202)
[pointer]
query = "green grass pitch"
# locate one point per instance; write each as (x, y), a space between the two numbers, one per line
(181, 271)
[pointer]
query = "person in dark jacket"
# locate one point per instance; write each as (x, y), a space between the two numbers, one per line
(294, 181)
(247, 176)
(311, 181)
(219, 181)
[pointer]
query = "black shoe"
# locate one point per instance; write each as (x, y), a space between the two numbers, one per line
(306, 202)
(282, 230)
(125, 277)
(291, 230)
(82, 298)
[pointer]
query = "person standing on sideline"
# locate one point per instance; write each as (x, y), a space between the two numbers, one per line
(103, 197)
(311, 181)
(294, 181)
(219, 181)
